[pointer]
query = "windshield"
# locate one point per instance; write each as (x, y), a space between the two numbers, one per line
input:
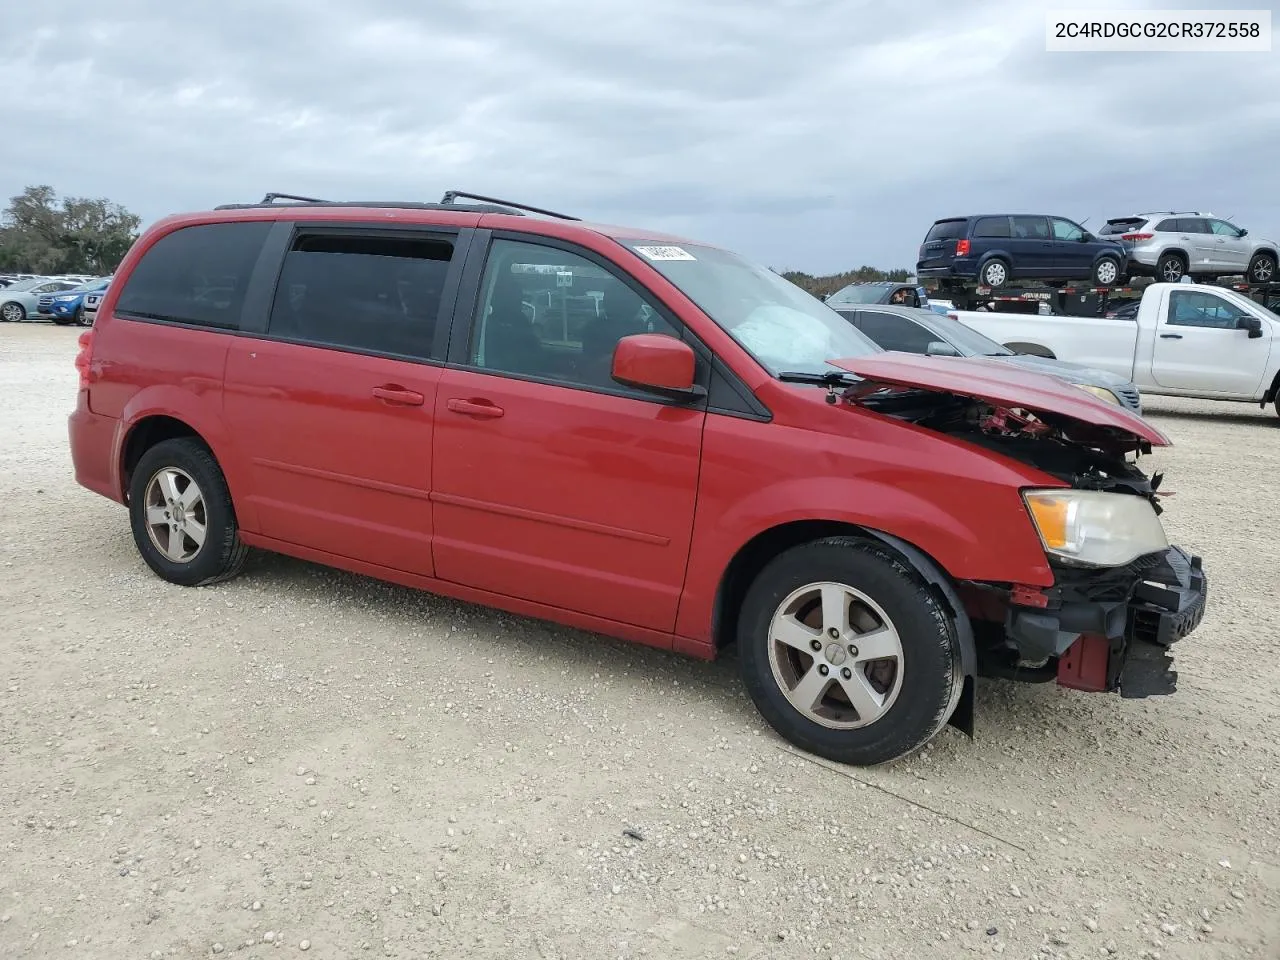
(781, 326)
(859, 293)
(966, 339)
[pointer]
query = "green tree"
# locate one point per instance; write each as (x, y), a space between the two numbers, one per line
(41, 234)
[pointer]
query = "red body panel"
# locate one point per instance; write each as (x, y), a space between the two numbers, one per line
(569, 499)
(600, 511)
(655, 360)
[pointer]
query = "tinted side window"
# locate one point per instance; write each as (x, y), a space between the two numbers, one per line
(195, 275)
(1193, 225)
(370, 293)
(896, 333)
(946, 230)
(550, 314)
(1188, 308)
(991, 227)
(1168, 225)
(1031, 228)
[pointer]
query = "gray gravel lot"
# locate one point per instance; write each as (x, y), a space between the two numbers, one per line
(306, 761)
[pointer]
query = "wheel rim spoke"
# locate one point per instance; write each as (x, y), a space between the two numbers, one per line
(195, 531)
(879, 644)
(835, 610)
(866, 700)
(791, 632)
(808, 693)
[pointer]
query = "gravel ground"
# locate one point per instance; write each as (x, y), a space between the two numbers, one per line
(306, 761)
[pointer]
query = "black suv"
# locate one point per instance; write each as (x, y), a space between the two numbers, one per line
(992, 249)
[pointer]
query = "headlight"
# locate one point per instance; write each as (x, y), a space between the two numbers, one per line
(63, 299)
(1101, 392)
(1094, 528)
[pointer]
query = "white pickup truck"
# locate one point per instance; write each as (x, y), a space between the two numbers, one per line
(1186, 340)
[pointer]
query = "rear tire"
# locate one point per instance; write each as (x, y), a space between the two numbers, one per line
(995, 273)
(183, 520)
(1170, 268)
(861, 705)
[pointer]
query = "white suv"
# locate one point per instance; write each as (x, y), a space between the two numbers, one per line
(1169, 244)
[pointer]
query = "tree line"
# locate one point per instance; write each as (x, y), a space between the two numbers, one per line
(40, 233)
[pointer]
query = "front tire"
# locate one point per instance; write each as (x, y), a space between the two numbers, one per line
(885, 675)
(1262, 269)
(13, 312)
(183, 520)
(1106, 272)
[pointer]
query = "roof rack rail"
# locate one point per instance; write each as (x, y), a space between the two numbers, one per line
(273, 197)
(450, 196)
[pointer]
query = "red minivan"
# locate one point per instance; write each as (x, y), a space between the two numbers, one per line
(633, 434)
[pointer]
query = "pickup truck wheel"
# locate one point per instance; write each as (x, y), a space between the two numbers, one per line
(847, 653)
(1262, 269)
(180, 510)
(995, 273)
(1106, 272)
(1171, 267)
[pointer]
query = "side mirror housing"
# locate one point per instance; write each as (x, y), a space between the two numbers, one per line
(1252, 324)
(939, 349)
(657, 363)
(1243, 232)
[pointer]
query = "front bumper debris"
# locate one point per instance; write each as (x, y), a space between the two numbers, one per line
(1111, 630)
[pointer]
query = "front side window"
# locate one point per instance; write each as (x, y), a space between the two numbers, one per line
(1195, 309)
(549, 313)
(195, 275)
(1224, 229)
(896, 333)
(1066, 230)
(858, 293)
(781, 326)
(368, 293)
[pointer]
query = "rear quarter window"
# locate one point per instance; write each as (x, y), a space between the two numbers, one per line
(195, 275)
(947, 230)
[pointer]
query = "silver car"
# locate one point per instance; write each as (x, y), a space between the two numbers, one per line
(1170, 244)
(912, 330)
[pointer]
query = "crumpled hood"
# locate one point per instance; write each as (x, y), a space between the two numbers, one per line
(1005, 385)
(1063, 368)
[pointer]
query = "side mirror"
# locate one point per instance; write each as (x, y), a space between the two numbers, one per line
(1252, 324)
(1087, 237)
(658, 363)
(1243, 232)
(939, 349)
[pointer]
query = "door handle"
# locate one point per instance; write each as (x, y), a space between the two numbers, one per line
(484, 409)
(1170, 336)
(399, 395)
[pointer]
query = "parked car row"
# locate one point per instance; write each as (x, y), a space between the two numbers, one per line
(992, 250)
(60, 299)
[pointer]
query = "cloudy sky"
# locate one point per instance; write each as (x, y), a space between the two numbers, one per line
(808, 134)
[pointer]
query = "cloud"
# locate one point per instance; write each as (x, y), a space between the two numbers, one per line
(816, 134)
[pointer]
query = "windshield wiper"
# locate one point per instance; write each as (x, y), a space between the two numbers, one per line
(831, 380)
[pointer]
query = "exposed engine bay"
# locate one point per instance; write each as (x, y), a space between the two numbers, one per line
(1086, 456)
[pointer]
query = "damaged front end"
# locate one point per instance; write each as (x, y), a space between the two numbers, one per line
(1109, 620)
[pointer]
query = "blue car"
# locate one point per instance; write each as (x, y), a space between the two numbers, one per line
(68, 306)
(993, 249)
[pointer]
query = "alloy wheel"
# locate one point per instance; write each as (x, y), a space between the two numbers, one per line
(176, 517)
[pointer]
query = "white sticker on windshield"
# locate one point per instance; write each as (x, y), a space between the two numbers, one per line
(665, 253)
